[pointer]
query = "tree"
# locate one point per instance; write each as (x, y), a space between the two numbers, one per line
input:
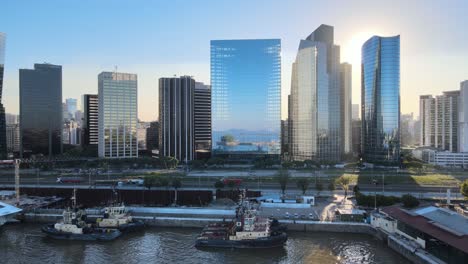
(227, 138)
(319, 188)
(303, 184)
(197, 164)
(343, 182)
(464, 189)
(149, 181)
(163, 181)
(283, 178)
(356, 189)
(219, 184)
(287, 164)
(176, 184)
(409, 201)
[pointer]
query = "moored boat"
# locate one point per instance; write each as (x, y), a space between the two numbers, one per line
(246, 230)
(118, 217)
(73, 227)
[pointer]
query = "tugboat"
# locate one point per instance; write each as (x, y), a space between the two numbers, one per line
(74, 227)
(247, 230)
(118, 217)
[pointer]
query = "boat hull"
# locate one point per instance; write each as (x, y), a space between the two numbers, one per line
(132, 227)
(268, 242)
(97, 234)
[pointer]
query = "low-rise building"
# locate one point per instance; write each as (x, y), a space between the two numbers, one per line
(441, 158)
(439, 231)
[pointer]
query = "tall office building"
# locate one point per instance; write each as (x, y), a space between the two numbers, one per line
(11, 119)
(246, 92)
(118, 115)
(176, 117)
(440, 121)
(152, 136)
(407, 130)
(202, 120)
(3, 140)
(346, 107)
(356, 142)
(90, 125)
(284, 137)
(427, 117)
(41, 110)
(13, 139)
(356, 110)
(315, 110)
(71, 108)
(141, 135)
(380, 78)
(463, 115)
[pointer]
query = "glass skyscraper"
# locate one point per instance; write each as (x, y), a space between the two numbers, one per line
(118, 115)
(3, 142)
(246, 97)
(381, 100)
(41, 110)
(315, 101)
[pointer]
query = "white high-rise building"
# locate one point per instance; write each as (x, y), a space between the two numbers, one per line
(117, 115)
(463, 118)
(439, 120)
(346, 106)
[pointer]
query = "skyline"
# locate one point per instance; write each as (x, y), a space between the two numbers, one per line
(84, 53)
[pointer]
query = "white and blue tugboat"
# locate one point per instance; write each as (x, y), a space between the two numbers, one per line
(118, 217)
(74, 227)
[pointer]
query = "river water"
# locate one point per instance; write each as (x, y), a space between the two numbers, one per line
(24, 243)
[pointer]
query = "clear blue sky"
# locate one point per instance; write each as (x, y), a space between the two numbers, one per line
(161, 38)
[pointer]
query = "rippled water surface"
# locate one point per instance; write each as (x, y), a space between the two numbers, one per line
(26, 244)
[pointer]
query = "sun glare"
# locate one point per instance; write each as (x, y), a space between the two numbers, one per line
(352, 48)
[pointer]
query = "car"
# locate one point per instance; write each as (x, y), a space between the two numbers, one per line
(287, 215)
(296, 215)
(311, 216)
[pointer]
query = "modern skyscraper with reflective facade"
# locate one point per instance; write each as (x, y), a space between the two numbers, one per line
(246, 97)
(315, 101)
(380, 78)
(118, 115)
(3, 141)
(41, 110)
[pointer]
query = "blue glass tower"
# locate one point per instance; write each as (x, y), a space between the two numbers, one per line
(246, 97)
(381, 100)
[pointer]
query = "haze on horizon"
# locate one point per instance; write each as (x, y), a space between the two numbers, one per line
(162, 39)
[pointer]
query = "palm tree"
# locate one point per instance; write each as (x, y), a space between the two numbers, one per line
(343, 182)
(176, 184)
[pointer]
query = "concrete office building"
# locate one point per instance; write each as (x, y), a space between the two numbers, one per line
(176, 117)
(346, 107)
(89, 125)
(463, 118)
(118, 115)
(202, 120)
